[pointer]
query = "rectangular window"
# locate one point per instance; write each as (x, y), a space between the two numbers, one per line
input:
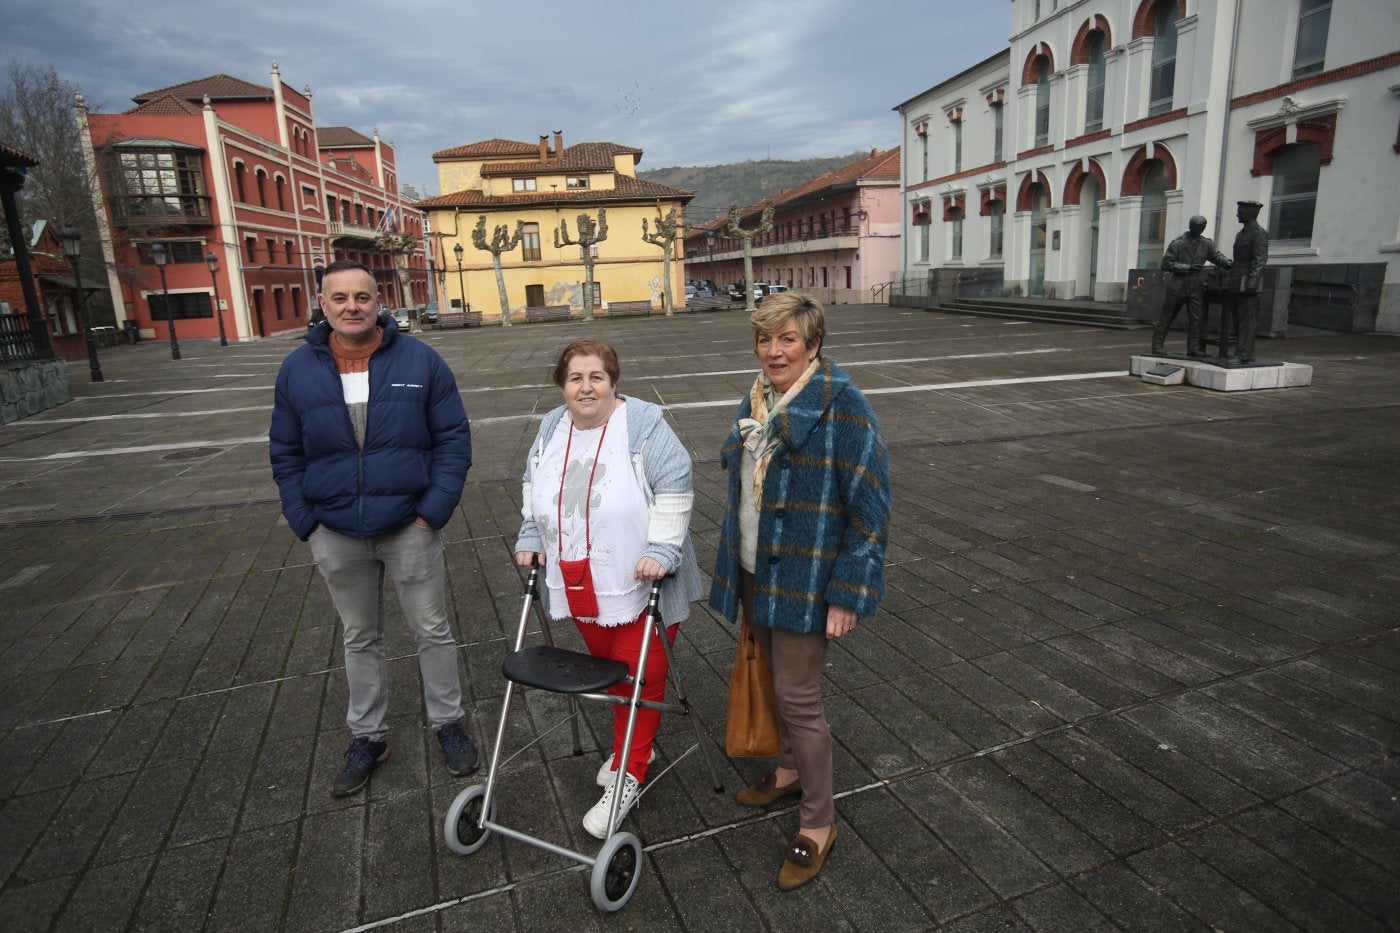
(956, 235)
(287, 249)
(534, 296)
(277, 302)
(176, 251)
(998, 130)
(271, 250)
(577, 181)
(923, 241)
(996, 218)
(1311, 48)
(330, 207)
(182, 305)
(251, 245)
(296, 301)
(530, 242)
(923, 148)
(957, 146)
(522, 184)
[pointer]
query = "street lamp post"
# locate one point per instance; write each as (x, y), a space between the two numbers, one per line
(213, 262)
(158, 254)
(710, 242)
(72, 249)
(457, 250)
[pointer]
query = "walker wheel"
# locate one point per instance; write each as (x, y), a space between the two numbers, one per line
(616, 872)
(460, 828)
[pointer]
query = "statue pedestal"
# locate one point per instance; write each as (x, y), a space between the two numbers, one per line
(1217, 375)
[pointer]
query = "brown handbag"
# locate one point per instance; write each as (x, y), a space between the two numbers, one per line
(752, 729)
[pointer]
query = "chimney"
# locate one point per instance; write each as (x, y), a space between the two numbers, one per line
(544, 148)
(558, 144)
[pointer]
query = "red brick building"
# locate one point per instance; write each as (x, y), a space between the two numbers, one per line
(240, 171)
(53, 283)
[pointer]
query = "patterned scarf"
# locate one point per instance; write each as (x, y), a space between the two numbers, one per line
(760, 433)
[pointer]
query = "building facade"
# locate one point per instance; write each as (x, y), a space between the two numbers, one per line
(220, 167)
(536, 188)
(835, 236)
(1070, 159)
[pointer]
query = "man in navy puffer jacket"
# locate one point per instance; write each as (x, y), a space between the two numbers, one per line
(370, 447)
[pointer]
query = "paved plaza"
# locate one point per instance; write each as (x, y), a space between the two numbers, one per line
(1137, 667)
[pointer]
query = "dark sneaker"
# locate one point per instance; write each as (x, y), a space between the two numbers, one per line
(457, 750)
(362, 757)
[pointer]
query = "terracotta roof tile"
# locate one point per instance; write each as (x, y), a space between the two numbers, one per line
(488, 148)
(341, 137)
(628, 189)
(9, 155)
(580, 157)
(877, 165)
(216, 87)
(167, 105)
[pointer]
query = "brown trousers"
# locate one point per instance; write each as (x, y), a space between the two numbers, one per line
(804, 740)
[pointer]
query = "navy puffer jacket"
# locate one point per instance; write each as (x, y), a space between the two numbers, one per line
(417, 448)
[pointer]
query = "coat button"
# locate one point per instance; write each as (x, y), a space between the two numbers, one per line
(784, 465)
(773, 559)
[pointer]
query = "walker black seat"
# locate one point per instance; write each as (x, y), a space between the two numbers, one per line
(562, 671)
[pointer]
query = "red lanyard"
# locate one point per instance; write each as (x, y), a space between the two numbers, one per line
(587, 497)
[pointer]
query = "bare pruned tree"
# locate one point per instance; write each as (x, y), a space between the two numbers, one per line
(590, 234)
(765, 223)
(664, 237)
(502, 241)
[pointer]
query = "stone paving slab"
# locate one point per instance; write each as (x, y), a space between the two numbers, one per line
(1136, 668)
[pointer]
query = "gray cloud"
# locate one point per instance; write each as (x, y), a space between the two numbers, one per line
(690, 84)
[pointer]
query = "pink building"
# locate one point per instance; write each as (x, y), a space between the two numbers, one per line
(223, 168)
(835, 237)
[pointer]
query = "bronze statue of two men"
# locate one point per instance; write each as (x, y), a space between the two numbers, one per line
(1184, 262)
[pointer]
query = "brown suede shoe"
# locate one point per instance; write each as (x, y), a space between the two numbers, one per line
(766, 791)
(803, 861)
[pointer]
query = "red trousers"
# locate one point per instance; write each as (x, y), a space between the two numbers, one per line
(624, 643)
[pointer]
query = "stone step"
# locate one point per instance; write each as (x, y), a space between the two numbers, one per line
(1050, 315)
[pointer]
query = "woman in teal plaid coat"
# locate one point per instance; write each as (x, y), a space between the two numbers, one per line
(802, 547)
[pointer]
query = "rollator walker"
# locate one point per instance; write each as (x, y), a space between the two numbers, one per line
(471, 819)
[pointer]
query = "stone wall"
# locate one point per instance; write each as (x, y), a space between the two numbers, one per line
(32, 387)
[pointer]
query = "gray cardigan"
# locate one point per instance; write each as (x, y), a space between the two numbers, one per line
(663, 468)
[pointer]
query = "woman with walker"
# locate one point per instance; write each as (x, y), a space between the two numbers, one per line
(606, 507)
(802, 547)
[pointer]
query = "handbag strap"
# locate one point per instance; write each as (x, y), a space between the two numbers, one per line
(587, 496)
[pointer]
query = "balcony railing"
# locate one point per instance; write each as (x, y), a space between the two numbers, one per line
(346, 228)
(15, 342)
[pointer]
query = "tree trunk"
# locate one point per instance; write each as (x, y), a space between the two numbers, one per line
(501, 287)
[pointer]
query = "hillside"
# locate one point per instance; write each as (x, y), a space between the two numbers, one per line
(742, 183)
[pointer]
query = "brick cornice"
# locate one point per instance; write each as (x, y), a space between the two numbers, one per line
(1088, 138)
(1154, 120)
(1038, 150)
(1322, 77)
(966, 173)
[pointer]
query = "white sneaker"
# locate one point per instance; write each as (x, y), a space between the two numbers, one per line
(605, 773)
(596, 819)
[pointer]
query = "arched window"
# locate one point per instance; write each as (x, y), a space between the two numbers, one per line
(1093, 102)
(280, 184)
(1163, 58)
(1294, 200)
(261, 178)
(1152, 228)
(238, 173)
(1042, 101)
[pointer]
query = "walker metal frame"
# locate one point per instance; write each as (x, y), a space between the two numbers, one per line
(471, 818)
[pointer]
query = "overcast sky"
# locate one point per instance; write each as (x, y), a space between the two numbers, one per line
(696, 82)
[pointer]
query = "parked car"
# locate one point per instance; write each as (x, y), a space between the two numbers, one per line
(704, 291)
(734, 292)
(772, 290)
(405, 318)
(690, 292)
(430, 313)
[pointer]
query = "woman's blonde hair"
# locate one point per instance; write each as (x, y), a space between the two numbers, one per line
(805, 312)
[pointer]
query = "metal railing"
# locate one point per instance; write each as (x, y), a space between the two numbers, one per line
(15, 340)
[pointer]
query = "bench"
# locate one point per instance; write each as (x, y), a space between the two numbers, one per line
(625, 308)
(459, 319)
(548, 313)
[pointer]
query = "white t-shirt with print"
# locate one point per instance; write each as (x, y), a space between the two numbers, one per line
(617, 514)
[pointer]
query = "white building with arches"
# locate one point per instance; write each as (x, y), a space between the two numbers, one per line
(1062, 163)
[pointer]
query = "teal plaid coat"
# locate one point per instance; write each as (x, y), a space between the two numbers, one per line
(824, 518)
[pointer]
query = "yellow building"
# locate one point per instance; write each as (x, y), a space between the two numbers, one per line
(534, 189)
